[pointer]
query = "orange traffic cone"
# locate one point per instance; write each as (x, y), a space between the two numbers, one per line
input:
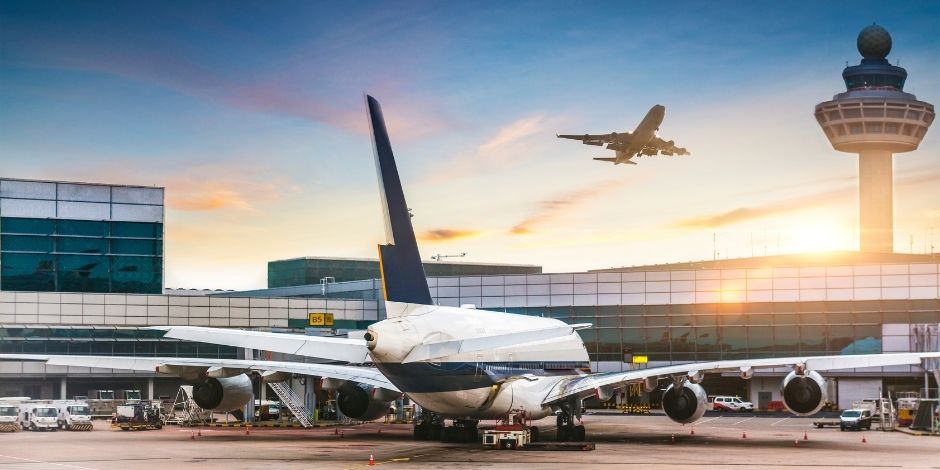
(864, 440)
(248, 430)
(199, 433)
(805, 436)
(371, 460)
(693, 432)
(193, 436)
(335, 431)
(744, 435)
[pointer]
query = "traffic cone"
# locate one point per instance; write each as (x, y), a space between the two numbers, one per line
(248, 430)
(193, 436)
(796, 443)
(805, 436)
(335, 431)
(864, 440)
(342, 434)
(371, 460)
(199, 433)
(744, 435)
(673, 438)
(693, 432)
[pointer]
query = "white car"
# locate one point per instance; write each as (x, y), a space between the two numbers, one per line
(726, 403)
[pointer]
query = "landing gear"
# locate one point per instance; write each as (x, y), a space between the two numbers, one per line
(567, 430)
(430, 426)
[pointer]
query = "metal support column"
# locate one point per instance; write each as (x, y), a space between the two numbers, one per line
(63, 390)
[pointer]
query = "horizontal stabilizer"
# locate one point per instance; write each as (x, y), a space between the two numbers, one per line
(606, 159)
(439, 349)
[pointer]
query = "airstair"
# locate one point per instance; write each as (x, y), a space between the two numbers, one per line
(292, 402)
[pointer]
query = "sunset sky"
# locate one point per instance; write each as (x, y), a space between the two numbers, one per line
(251, 115)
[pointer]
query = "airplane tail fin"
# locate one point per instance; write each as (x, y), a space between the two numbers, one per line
(403, 278)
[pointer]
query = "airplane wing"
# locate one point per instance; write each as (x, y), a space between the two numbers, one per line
(351, 351)
(587, 385)
(176, 365)
(664, 147)
(599, 139)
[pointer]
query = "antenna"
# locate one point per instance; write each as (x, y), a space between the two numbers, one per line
(439, 257)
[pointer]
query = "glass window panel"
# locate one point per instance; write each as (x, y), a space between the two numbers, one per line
(681, 320)
(144, 348)
(582, 311)
(186, 349)
(842, 318)
(634, 339)
(79, 273)
(706, 320)
(105, 348)
(657, 340)
(227, 352)
(787, 338)
(80, 347)
(813, 318)
(732, 319)
(868, 339)
(683, 340)
(813, 339)
(589, 337)
(867, 317)
(85, 228)
(124, 334)
(760, 339)
(840, 339)
(657, 310)
(632, 315)
(123, 348)
(81, 333)
(733, 342)
(608, 340)
(759, 307)
(27, 272)
(81, 245)
(789, 307)
(608, 311)
(136, 274)
(532, 311)
(136, 230)
(136, 247)
(559, 312)
(759, 319)
(786, 319)
(166, 348)
(26, 243)
(613, 322)
(57, 347)
(706, 339)
(896, 317)
(925, 317)
(705, 309)
(22, 225)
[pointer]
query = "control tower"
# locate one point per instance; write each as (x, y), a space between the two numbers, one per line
(875, 119)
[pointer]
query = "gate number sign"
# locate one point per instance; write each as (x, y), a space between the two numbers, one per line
(320, 319)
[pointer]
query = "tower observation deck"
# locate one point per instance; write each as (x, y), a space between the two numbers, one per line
(875, 119)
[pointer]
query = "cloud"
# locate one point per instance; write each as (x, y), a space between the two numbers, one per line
(556, 207)
(501, 151)
(447, 234)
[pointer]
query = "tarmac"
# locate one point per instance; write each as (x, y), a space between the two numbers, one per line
(651, 442)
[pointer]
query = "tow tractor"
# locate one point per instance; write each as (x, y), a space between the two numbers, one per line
(137, 416)
(510, 433)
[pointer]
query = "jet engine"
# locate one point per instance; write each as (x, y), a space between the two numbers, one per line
(364, 402)
(804, 394)
(223, 394)
(649, 151)
(686, 403)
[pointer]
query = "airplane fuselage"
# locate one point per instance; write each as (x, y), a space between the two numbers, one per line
(644, 133)
(477, 385)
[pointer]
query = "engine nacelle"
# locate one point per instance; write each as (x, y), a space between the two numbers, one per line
(223, 394)
(685, 404)
(364, 402)
(804, 395)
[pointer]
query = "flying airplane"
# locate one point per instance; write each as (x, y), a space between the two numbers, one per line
(642, 141)
(461, 364)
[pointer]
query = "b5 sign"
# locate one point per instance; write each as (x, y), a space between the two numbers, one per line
(320, 319)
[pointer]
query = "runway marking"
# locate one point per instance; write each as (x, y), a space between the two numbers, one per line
(707, 420)
(45, 462)
(780, 421)
(743, 420)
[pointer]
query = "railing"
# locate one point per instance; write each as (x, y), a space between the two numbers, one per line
(292, 402)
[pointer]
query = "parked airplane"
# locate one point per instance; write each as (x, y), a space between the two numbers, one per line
(642, 141)
(462, 364)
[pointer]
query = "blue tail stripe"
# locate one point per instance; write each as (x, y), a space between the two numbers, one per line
(403, 277)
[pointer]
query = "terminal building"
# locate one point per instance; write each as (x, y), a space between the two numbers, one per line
(81, 272)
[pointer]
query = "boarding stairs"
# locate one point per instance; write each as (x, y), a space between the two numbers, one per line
(292, 402)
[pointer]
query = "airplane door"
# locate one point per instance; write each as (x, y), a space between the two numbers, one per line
(478, 372)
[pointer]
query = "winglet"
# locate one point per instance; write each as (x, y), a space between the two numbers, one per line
(403, 278)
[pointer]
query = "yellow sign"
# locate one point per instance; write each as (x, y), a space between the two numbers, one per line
(637, 359)
(320, 319)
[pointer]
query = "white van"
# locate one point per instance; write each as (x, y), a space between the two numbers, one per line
(38, 417)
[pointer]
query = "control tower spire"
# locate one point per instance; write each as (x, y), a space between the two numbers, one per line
(875, 119)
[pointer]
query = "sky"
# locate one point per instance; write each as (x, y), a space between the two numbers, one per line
(251, 114)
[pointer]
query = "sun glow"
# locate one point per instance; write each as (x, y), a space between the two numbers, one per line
(818, 236)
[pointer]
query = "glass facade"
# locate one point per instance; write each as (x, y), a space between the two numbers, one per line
(103, 341)
(306, 271)
(60, 255)
(707, 332)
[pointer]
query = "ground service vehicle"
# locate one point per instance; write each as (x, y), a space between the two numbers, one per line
(726, 403)
(8, 414)
(137, 416)
(855, 419)
(38, 417)
(74, 416)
